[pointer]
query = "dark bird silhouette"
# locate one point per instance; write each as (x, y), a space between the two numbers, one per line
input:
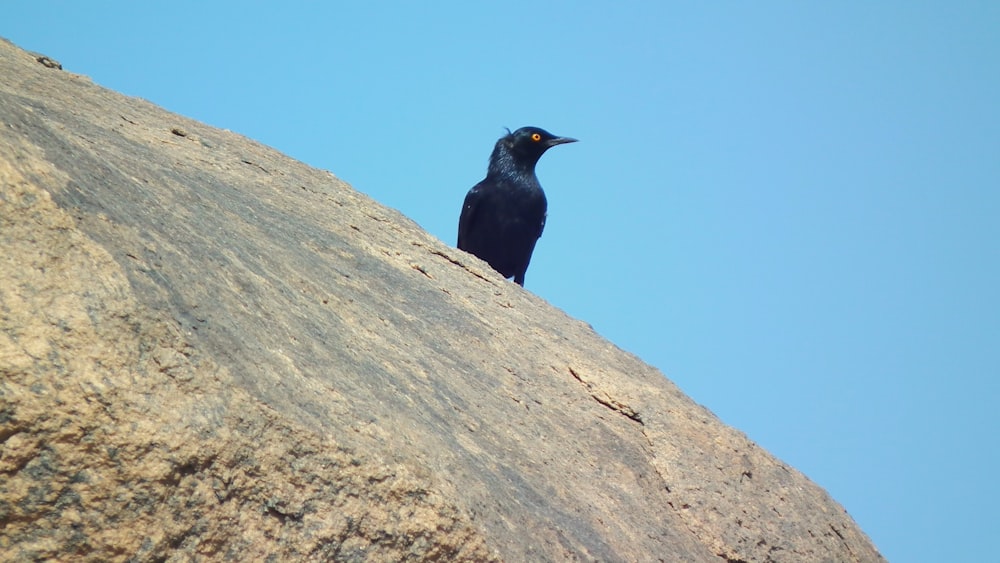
(504, 215)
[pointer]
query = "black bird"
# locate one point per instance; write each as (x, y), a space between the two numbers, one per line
(504, 215)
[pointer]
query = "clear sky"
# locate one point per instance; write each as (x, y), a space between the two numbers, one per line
(791, 208)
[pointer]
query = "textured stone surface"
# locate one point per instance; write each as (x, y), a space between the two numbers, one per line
(209, 350)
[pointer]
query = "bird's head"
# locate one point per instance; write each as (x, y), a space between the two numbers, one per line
(529, 143)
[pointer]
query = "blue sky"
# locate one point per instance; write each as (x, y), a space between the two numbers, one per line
(791, 208)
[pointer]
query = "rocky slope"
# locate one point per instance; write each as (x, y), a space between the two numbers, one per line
(211, 351)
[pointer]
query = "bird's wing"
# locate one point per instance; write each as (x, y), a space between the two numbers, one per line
(468, 216)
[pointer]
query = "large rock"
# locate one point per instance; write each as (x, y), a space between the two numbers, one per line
(210, 350)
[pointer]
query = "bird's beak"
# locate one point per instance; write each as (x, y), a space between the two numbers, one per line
(560, 141)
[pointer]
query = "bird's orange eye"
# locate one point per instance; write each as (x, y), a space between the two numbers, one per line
(536, 137)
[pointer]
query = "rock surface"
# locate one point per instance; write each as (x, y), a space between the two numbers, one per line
(211, 351)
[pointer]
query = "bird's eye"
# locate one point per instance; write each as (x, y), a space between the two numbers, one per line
(536, 137)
